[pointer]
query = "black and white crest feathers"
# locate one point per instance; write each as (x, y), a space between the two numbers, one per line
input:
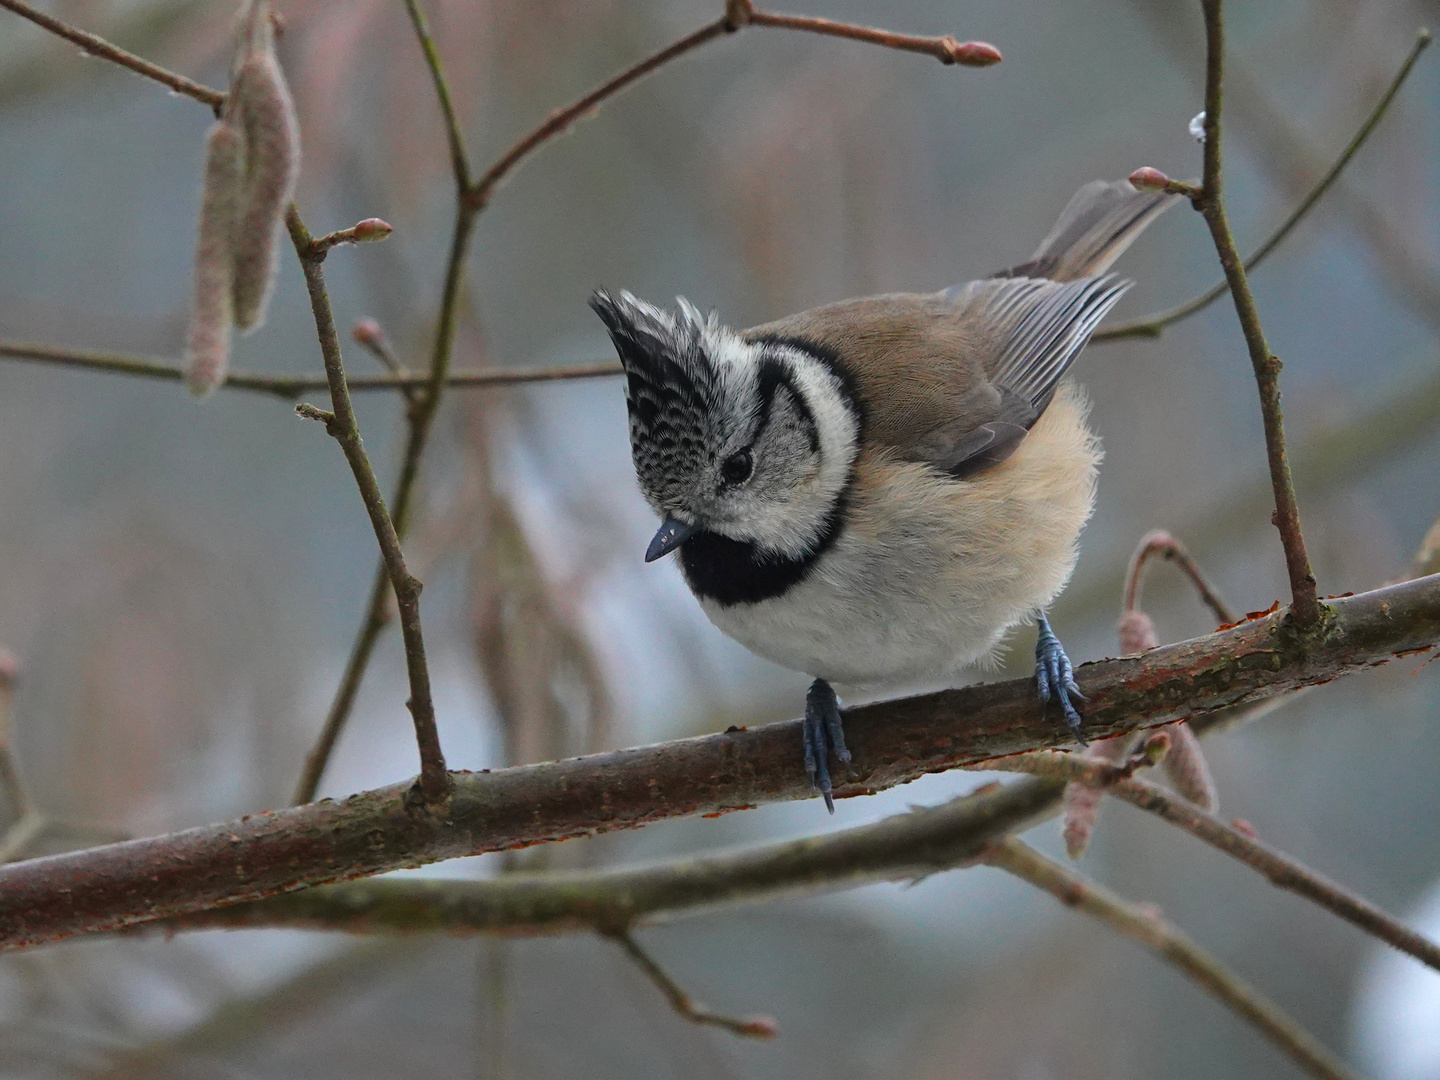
(672, 387)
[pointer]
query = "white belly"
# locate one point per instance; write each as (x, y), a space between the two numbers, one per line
(930, 572)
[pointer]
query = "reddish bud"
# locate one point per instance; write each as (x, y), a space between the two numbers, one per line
(371, 229)
(971, 53)
(9, 669)
(368, 332)
(1148, 179)
(759, 1027)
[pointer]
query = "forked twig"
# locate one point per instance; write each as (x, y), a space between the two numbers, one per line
(1305, 610)
(1154, 324)
(1146, 926)
(343, 426)
(1280, 869)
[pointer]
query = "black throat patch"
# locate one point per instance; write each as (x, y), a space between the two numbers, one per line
(731, 572)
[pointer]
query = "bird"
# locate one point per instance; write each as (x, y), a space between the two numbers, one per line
(875, 491)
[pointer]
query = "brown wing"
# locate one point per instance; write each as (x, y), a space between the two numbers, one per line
(956, 378)
(914, 366)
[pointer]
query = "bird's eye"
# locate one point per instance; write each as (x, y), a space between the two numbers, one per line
(737, 468)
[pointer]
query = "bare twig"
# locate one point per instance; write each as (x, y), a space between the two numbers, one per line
(1144, 925)
(945, 49)
(1282, 870)
(459, 160)
(98, 46)
(1161, 543)
(140, 881)
(560, 121)
(289, 387)
(362, 232)
(738, 14)
(755, 1027)
(420, 417)
(434, 780)
(1154, 324)
(423, 404)
(1305, 605)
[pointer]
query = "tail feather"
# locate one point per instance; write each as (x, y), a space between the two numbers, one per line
(1096, 226)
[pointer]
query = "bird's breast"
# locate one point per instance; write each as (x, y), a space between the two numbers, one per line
(924, 573)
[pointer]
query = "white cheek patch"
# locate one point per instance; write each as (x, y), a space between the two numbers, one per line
(791, 517)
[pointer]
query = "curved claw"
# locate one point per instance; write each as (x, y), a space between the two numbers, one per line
(1054, 674)
(824, 734)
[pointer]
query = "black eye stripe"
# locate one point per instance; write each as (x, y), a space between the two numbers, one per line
(774, 375)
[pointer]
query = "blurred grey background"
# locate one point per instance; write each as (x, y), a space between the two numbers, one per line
(181, 582)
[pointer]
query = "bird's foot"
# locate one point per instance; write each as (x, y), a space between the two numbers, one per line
(824, 733)
(1054, 676)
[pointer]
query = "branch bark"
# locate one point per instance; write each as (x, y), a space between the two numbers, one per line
(141, 881)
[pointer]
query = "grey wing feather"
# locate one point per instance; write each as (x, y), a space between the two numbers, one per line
(1038, 327)
(1100, 221)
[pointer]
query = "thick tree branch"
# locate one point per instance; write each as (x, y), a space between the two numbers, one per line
(343, 426)
(1149, 929)
(1154, 324)
(120, 885)
(1305, 607)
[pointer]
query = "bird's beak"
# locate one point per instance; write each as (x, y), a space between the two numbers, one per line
(671, 534)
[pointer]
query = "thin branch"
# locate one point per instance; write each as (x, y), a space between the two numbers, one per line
(362, 232)
(1154, 324)
(560, 121)
(1282, 870)
(1144, 925)
(459, 160)
(1167, 547)
(1326, 458)
(108, 888)
(755, 1027)
(1305, 605)
(738, 14)
(343, 426)
(945, 49)
(420, 417)
(290, 387)
(98, 46)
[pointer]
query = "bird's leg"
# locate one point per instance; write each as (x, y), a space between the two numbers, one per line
(823, 734)
(1054, 675)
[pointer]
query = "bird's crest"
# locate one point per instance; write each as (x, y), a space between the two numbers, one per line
(671, 387)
